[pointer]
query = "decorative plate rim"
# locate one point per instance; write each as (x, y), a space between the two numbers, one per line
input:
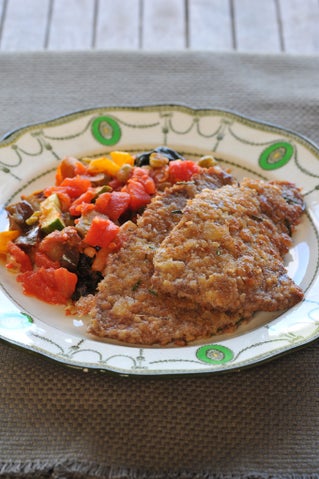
(15, 133)
(12, 136)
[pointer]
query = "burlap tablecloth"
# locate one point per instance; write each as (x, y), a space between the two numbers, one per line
(60, 422)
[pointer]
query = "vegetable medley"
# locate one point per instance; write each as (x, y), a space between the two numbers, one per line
(59, 238)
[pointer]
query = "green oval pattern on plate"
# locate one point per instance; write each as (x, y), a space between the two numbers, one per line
(106, 130)
(15, 320)
(214, 354)
(276, 156)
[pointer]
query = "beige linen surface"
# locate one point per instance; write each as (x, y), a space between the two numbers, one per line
(60, 422)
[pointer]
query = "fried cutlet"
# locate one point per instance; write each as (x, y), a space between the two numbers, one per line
(227, 251)
(126, 306)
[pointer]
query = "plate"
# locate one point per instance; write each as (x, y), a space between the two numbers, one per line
(28, 159)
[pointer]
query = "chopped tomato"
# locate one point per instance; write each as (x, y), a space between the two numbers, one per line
(41, 260)
(74, 187)
(18, 259)
(83, 204)
(115, 184)
(54, 286)
(101, 232)
(102, 202)
(182, 170)
(85, 208)
(68, 168)
(139, 197)
(141, 175)
(140, 186)
(113, 204)
(65, 201)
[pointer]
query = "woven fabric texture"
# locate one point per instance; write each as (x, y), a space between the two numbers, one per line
(60, 422)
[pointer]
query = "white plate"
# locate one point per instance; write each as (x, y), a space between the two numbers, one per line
(28, 158)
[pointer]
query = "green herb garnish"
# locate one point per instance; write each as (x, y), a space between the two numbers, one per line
(153, 292)
(136, 285)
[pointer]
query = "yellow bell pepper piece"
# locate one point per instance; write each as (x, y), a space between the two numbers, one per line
(122, 158)
(5, 238)
(104, 165)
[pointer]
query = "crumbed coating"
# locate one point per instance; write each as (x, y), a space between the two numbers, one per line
(227, 251)
(203, 257)
(126, 306)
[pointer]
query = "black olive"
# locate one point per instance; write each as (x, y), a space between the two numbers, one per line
(144, 158)
(88, 280)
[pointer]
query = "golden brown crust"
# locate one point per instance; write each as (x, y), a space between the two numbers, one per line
(227, 250)
(134, 304)
(126, 307)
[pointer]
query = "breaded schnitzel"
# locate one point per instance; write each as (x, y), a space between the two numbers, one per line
(205, 255)
(227, 250)
(126, 307)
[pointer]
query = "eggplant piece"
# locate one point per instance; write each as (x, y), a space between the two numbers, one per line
(30, 238)
(35, 199)
(144, 158)
(62, 246)
(18, 213)
(70, 259)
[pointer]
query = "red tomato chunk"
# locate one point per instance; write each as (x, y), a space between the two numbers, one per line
(54, 286)
(73, 187)
(18, 259)
(113, 204)
(83, 204)
(101, 232)
(182, 170)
